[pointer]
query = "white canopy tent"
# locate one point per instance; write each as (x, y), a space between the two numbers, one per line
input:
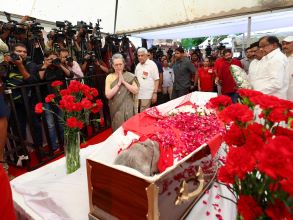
(138, 16)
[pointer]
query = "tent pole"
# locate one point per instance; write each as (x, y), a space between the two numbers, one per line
(243, 45)
(248, 32)
(115, 19)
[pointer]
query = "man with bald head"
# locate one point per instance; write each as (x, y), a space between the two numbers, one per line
(287, 44)
(273, 78)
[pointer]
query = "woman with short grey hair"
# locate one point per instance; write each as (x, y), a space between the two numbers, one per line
(121, 91)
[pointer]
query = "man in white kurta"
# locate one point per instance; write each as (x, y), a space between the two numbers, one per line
(273, 78)
(253, 71)
(288, 50)
(147, 74)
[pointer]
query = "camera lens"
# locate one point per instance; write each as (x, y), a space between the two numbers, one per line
(14, 56)
(69, 59)
(56, 61)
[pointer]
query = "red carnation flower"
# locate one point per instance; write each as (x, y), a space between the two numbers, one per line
(235, 136)
(287, 184)
(266, 101)
(238, 163)
(280, 131)
(94, 92)
(248, 93)
(86, 103)
(248, 208)
(278, 115)
(278, 211)
(73, 122)
(226, 175)
(276, 158)
(39, 108)
(102, 121)
(220, 102)
(67, 102)
(236, 113)
(74, 86)
(64, 92)
(85, 89)
(97, 106)
(56, 83)
(49, 98)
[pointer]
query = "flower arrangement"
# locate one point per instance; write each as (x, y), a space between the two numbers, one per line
(77, 101)
(259, 162)
(240, 77)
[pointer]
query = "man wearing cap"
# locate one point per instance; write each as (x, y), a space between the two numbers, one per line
(287, 44)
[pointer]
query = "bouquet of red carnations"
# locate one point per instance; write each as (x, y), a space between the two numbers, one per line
(77, 101)
(258, 168)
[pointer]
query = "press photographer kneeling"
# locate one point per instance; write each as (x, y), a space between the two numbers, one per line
(53, 69)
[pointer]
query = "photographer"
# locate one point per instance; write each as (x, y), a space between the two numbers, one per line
(72, 65)
(96, 71)
(21, 72)
(53, 69)
(128, 50)
(55, 42)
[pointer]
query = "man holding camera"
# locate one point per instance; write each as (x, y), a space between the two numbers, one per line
(22, 72)
(68, 62)
(53, 69)
(96, 71)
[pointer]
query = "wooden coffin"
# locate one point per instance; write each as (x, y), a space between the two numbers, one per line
(117, 194)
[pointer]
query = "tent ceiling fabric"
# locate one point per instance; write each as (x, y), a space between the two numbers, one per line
(227, 26)
(140, 15)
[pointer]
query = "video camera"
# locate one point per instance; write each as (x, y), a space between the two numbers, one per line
(96, 36)
(35, 28)
(66, 29)
(88, 28)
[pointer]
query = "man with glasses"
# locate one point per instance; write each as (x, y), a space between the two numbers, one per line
(273, 78)
(147, 74)
(287, 44)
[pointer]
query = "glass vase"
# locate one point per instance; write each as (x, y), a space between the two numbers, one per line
(72, 148)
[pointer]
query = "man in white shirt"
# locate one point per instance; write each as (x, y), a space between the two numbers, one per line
(253, 70)
(273, 78)
(287, 44)
(147, 74)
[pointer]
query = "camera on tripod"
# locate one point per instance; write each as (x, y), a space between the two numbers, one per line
(66, 29)
(84, 28)
(35, 29)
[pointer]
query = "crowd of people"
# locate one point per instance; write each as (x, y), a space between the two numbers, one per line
(130, 80)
